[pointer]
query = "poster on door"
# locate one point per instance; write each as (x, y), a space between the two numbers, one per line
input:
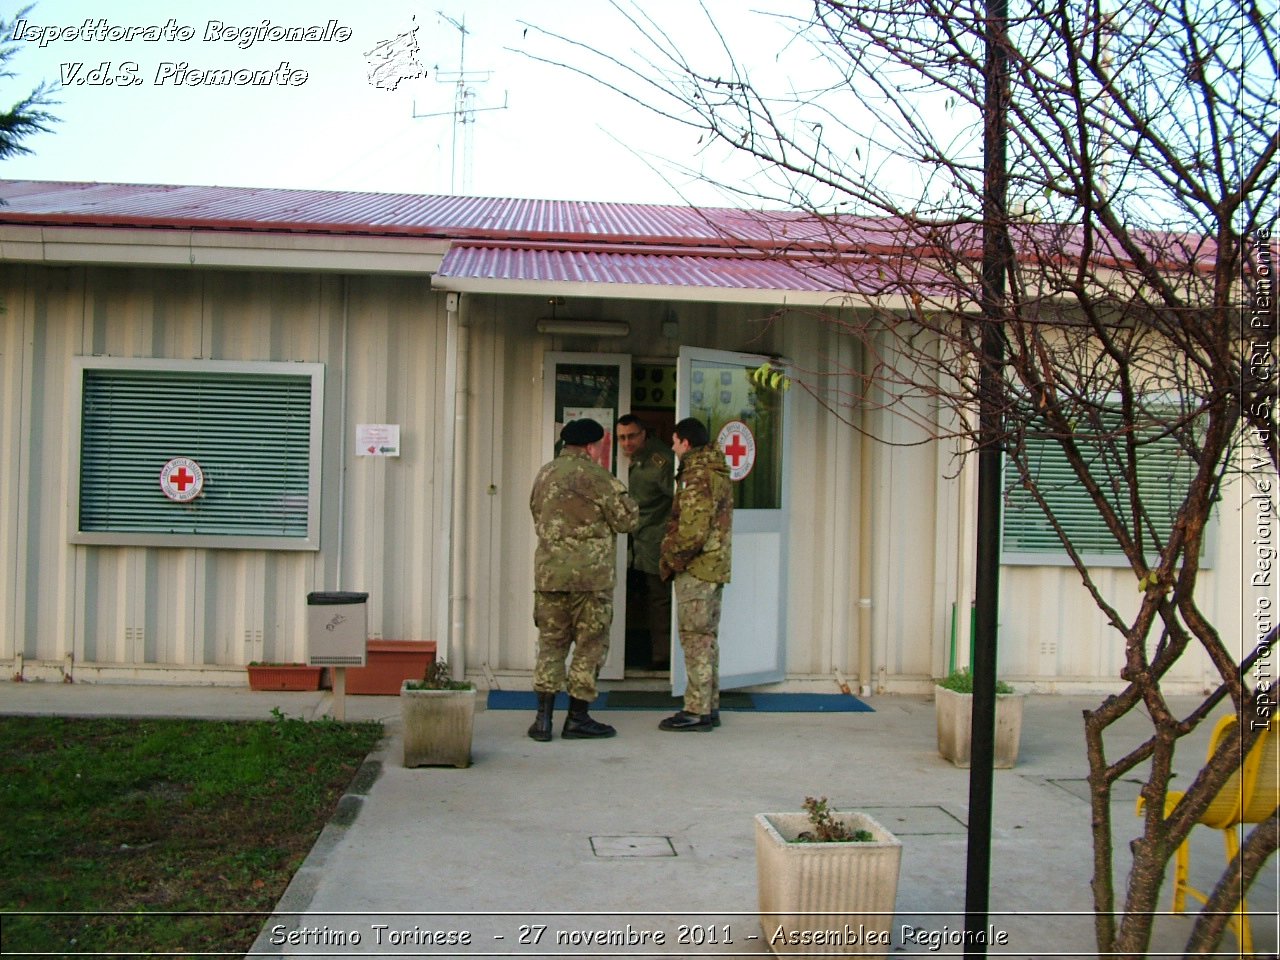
(601, 453)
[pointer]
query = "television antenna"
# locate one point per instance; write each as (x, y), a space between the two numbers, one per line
(464, 110)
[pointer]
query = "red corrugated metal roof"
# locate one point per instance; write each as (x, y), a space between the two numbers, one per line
(575, 241)
(675, 268)
(241, 208)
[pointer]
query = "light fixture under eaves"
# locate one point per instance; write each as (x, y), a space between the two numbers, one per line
(585, 328)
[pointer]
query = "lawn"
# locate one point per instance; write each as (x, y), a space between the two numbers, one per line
(141, 821)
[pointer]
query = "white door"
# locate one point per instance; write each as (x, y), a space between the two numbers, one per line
(747, 420)
(595, 385)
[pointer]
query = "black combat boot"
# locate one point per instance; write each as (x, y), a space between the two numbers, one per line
(578, 725)
(683, 721)
(541, 727)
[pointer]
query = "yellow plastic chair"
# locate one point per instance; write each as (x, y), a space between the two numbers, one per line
(1251, 795)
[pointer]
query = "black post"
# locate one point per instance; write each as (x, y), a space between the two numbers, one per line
(995, 257)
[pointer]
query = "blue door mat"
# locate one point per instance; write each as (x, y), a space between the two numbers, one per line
(657, 700)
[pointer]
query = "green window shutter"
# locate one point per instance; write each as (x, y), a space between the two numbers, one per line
(252, 433)
(1164, 471)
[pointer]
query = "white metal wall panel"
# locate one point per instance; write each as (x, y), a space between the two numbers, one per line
(505, 432)
(169, 609)
(383, 343)
(824, 526)
(393, 514)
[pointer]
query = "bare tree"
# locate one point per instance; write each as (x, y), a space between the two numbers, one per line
(1137, 320)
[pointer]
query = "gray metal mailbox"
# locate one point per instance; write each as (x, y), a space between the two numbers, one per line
(337, 628)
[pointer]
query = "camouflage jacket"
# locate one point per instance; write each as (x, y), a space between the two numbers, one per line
(578, 509)
(699, 534)
(651, 481)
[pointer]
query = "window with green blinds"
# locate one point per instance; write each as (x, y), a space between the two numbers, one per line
(1164, 472)
(252, 429)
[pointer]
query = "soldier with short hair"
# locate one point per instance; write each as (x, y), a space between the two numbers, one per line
(578, 508)
(651, 482)
(697, 551)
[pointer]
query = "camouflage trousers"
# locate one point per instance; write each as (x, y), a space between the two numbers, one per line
(577, 618)
(698, 616)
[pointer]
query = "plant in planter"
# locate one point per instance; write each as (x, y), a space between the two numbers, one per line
(283, 676)
(953, 706)
(827, 881)
(437, 714)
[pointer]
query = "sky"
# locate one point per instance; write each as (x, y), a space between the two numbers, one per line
(357, 109)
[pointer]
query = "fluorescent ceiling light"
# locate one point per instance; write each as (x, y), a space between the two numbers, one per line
(587, 328)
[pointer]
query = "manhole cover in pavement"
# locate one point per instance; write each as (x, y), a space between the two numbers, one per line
(915, 820)
(1122, 791)
(632, 847)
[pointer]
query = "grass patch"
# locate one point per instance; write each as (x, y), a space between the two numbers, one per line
(151, 817)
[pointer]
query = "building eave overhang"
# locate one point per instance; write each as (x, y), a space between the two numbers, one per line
(219, 249)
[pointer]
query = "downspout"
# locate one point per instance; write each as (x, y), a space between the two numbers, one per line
(458, 336)
(342, 434)
(865, 479)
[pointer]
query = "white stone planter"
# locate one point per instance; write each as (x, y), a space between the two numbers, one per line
(955, 720)
(854, 884)
(437, 726)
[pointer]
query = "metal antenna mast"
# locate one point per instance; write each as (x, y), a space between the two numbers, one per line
(464, 107)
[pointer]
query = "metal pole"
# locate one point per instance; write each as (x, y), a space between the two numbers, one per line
(990, 404)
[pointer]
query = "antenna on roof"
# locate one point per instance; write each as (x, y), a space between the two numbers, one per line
(464, 107)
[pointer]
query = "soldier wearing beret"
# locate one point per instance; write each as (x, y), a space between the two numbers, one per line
(697, 553)
(578, 508)
(651, 482)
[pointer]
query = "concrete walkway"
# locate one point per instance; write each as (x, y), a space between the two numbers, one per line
(540, 849)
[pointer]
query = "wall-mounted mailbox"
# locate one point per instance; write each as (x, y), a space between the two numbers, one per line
(337, 628)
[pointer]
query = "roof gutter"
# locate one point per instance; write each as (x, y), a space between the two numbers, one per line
(661, 292)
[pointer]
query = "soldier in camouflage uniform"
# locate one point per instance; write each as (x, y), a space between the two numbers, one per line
(650, 481)
(697, 552)
(579, 509)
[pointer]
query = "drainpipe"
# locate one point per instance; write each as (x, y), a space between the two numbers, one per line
(865, 478)
(342, 434)
(458, 336)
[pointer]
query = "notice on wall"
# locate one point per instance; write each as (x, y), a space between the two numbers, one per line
(378, 439)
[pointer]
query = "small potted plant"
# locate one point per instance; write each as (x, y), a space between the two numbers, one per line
(437, 714)
(953, 706)
(842, 865)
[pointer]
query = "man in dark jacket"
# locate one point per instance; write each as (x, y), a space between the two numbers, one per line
(697, 552)
(650, 481)
(578, 508)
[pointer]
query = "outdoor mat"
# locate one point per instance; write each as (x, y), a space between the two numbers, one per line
(659, 700)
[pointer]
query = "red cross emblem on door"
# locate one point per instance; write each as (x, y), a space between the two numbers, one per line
(739, 446)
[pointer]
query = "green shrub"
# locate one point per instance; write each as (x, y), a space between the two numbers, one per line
(961, 681)
(826, 828)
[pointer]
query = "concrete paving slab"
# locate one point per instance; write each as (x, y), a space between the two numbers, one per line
(556, 843)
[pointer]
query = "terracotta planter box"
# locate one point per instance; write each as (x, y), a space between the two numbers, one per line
(955, 720)
(437, 726)
(284, 676)
(854, 884)
(388, 664)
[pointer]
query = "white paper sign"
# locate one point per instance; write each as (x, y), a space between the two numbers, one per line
(378, 439)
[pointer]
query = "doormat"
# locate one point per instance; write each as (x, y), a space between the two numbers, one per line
(659, 700)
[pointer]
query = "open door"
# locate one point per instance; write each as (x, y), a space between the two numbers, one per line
(595, 385)
(747, 421)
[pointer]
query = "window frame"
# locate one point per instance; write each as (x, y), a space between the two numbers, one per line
(1113, 557)
(212, 369)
